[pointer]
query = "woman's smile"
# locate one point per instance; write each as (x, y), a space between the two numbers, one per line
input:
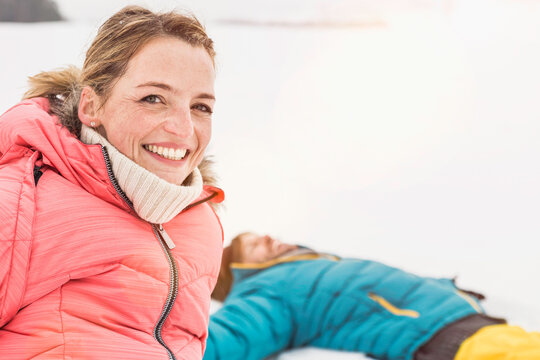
(167, 152)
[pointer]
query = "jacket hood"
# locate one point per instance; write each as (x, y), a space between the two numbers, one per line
(30, 125)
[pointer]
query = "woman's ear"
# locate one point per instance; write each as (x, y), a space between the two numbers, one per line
(88, 107)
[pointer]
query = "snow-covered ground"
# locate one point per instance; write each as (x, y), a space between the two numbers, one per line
(402, 131)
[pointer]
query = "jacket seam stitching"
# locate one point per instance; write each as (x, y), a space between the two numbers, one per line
(62, 321)
(196, 279)
(13, 241)
(193, 336)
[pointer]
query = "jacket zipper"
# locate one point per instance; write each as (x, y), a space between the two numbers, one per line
(166, 244)
(113, 179)
(173, 288)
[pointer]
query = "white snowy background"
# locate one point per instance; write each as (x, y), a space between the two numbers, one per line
(403, 131)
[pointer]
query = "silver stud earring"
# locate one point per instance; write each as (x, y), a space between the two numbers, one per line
(92, 123)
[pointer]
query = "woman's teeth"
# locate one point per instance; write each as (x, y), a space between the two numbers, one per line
(167, 153)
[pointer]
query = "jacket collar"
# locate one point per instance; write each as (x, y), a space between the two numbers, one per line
(241, 271)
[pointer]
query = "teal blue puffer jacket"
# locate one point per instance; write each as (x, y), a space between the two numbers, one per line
(347, 304)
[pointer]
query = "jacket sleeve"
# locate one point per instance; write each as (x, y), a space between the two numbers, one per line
(249, 327)
(16, 218)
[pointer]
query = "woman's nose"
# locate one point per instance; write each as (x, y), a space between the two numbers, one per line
(179, 123)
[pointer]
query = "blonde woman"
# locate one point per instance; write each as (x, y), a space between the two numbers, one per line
(109, 247)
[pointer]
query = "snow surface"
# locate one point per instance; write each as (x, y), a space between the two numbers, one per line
(402, 133)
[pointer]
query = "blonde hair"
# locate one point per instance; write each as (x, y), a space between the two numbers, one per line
(118, 39)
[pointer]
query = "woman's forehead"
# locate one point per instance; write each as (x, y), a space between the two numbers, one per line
(172, 62)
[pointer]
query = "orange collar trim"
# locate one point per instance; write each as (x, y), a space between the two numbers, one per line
(285, 259)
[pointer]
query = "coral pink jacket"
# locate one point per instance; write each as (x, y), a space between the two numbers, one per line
(81, 276)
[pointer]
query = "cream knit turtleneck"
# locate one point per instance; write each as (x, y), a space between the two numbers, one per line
(154, 199)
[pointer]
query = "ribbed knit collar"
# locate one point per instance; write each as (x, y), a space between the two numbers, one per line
(154, 199)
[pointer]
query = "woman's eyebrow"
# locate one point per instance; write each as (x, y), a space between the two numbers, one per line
(206, 96)
(156, 84)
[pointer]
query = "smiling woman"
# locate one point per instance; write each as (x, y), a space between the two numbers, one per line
(106, 194)
(159, 112)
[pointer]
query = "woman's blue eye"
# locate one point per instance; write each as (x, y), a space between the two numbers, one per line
(153, 99)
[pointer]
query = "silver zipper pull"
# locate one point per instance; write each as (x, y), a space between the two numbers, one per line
(166, 237)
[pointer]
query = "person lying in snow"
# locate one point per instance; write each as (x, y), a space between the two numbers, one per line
(279, 296)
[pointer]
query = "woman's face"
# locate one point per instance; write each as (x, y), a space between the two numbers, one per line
(159, 113)
(257, 249)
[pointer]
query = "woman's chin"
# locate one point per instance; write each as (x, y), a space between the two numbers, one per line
(175, 176)
(176, 179)
(172, 171)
